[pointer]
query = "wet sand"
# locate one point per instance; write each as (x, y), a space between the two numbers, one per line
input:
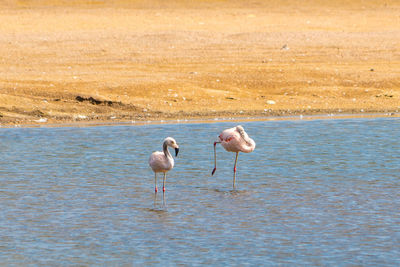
(93, 62)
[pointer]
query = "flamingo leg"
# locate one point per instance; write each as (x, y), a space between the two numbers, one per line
(163, 185)
(155, 182)
(234, 170)
(215, 158)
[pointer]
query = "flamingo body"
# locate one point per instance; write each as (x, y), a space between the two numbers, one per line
(234, 140)
(163, 161)
(159, 162)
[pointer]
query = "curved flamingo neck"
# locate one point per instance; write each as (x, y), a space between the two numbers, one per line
(249, 142)
(251, 145)
(166, 151)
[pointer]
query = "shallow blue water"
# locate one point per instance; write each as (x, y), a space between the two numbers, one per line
(323, 192)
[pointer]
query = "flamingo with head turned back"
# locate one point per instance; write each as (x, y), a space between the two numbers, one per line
(234, 140)
(163, 161)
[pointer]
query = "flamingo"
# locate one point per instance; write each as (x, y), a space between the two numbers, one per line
(163, 161)
(234, 140)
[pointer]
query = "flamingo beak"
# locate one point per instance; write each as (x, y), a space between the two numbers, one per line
(176, 152)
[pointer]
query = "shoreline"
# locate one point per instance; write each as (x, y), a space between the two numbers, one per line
(305, 117)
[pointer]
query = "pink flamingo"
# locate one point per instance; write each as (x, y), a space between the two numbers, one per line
(234, 140)
(163, 161)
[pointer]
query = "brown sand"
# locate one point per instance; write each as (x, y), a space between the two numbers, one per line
(65, 61)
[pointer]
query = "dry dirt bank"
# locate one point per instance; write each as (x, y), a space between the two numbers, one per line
(63, 61)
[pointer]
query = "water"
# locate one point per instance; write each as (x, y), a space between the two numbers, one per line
(323, 192)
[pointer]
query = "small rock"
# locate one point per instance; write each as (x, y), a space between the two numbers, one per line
(41, 120)
(285, 47)
(271, 102)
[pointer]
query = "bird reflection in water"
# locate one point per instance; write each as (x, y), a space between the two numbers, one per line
(162, 205)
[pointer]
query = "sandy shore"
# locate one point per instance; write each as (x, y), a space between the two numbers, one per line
(121, 61)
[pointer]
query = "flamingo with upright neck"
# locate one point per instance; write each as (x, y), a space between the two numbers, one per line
(163, 161)
(234, 140)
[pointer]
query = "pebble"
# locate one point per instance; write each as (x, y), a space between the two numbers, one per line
(41, 120)
(285, 47)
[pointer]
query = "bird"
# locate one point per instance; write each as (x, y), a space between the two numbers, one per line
(163, 161)
(234, 140)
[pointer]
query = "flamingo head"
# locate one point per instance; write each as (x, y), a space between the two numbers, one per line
(169, 141)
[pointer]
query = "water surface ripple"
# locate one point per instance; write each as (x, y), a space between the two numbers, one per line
(322, 192)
